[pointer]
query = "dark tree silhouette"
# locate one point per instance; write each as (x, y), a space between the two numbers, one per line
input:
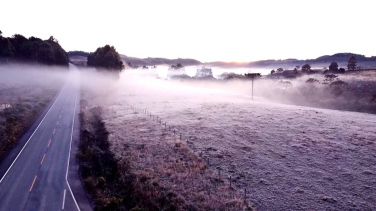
(352, 63)
(33, 50)
(6, 48)
(78, 53)
(333, 67)
(280, 70)
(107, 58)
(176, 67)
(306, 68)
(272, 72)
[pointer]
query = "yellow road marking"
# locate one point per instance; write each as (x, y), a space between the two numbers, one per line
(53, 132)
(57, 122)
(35, 178)
(60, 116)
(49, 143)
(43, 158)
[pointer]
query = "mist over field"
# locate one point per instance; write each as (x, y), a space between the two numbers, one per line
(284, 147)
(188, 105)
(287, 156)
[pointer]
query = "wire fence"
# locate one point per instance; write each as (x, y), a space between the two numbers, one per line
(230, 180)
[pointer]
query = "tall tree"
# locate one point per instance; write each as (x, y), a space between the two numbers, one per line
(351, 65)
(333, 67)
(6, 48)
(306, 68)
(105, 57)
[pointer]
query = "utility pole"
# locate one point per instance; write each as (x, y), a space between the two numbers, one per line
(252, 88)
(253, 76)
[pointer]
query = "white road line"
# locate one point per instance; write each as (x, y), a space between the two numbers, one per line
(32, 135)
(70, 147)
(74, 199)
(65, 191)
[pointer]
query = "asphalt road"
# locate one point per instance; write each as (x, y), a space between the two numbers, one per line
(37, 179)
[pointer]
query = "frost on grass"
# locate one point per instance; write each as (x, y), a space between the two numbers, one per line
(288, 157)
(164, 159)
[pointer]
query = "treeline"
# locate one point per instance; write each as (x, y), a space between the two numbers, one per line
(333, 68)
(33, 49)
(342, 57)
(78, 53)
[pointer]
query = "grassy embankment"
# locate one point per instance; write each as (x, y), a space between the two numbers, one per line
(109, 181)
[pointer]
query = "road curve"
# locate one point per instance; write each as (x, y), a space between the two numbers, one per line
(37, 179)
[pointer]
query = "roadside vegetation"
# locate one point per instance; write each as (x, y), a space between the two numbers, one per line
(109, 181)
(180, 181)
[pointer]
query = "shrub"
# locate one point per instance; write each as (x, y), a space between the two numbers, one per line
(312, 80)
(89, 184)
(329, 78)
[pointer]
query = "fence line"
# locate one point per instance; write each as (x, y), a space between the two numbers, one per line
(205, 158)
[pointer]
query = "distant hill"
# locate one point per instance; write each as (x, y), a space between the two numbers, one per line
(81, 56)
(158, 61)
(343, 57)
(322, 61)
(340, 58)
(78, 53)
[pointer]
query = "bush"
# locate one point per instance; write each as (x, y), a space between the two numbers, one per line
(312, 80)
(89, 184)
